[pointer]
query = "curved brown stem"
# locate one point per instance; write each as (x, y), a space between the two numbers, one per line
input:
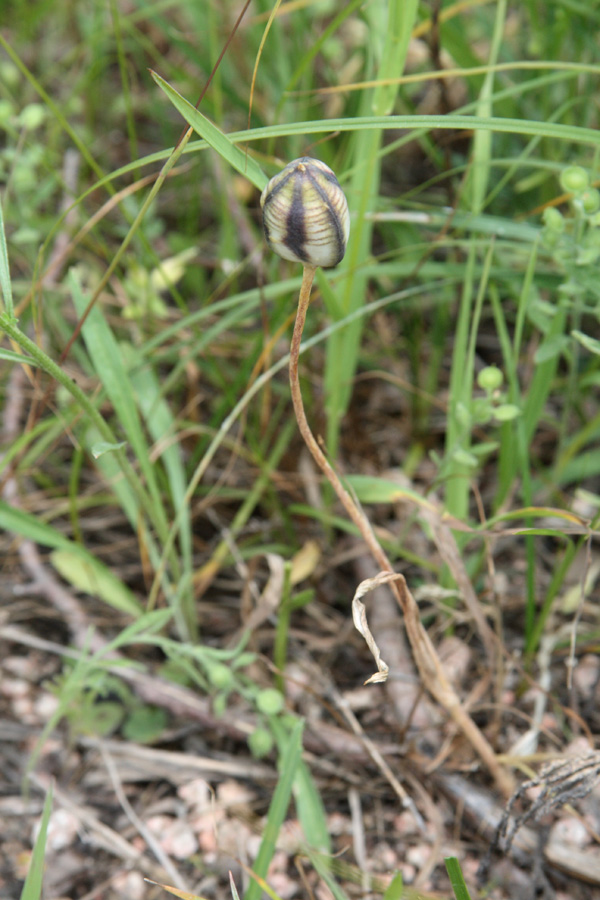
(424, 653)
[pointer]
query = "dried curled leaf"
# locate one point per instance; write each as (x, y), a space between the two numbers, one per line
(359, 617)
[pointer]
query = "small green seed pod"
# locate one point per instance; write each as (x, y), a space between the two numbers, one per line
(305, 214)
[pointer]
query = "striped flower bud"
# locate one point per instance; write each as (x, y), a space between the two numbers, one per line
(305, 214)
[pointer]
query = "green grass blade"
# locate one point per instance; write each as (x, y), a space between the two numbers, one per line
(242, 162)
(457, 880)
(288, 766)
(393, 32)
(79, 566)
(32, 889)
(93, 577)
(110, 368)
(125, 86)
(395, 888)
(13, 356)
(161, 426)
(5, 281)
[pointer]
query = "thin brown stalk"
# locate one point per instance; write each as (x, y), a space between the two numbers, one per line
(424, 653)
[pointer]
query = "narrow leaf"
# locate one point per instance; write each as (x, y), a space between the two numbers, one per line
(5, 282)
(12, 356)
(456, 878)
(102, 447)
(288, 765)
(32, 889)
(91, 576)
(213, 136)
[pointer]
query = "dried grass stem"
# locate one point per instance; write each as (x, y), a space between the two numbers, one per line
(424, 653)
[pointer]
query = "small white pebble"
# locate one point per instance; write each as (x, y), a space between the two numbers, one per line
(418, 855)
(14, 687)
(175, 836)
(63, 827)
(130, 885)
(45, 705)
(196, 793)
(283, 885)
(21, 666)
(409, 873)
(232, 793)
(585, 674)
(569, 830)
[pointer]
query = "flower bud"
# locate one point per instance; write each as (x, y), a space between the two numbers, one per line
(574, 179)
(305, 214)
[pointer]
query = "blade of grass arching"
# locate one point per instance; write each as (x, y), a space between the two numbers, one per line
(289, 760)
(219, 141)
(107, 360)
(162, 427)
(516, 126)
(5, 281)
(461, 376)
(32, 888)
(412, 124)
(396, 21)
(502, 125)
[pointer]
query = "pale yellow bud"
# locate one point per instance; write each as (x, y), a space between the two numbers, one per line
(305, 214)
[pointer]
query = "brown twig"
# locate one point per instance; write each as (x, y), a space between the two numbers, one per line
(424, 653)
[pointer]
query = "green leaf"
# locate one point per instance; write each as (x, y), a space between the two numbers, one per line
(506, 412)
(588, 342)
(32, 889)
(94, 578)
(101, 447)
(370, 489)
(288, 765)
(456, 878)
(145, 724)
(311, 810)
(242, 162)
(551, 348)
(19, 522)
(12, 356)
(395, 888)
(107, 359)
(5, 282)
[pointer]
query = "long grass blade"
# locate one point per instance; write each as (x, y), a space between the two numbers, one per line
(32, 889)
(288, 765)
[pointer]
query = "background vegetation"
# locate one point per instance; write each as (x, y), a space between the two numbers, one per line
(175, 575)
